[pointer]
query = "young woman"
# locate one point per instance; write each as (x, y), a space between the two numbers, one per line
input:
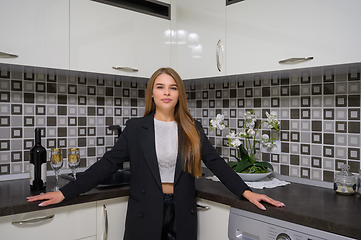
(165, 149)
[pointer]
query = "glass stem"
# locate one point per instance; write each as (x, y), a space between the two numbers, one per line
(57, 178)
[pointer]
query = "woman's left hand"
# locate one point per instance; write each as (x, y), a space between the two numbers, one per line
(256, 199)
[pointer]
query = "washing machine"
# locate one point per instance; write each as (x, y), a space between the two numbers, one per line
(245, 225)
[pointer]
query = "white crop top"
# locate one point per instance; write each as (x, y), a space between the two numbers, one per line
(166, 146)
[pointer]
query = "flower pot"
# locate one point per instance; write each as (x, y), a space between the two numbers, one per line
(251, 177)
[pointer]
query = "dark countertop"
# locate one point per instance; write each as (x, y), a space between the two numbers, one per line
(311, 206)
(13, 196)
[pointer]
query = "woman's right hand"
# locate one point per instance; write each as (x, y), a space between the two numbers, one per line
(51, 197)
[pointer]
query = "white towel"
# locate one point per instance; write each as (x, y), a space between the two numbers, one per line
(266, 182)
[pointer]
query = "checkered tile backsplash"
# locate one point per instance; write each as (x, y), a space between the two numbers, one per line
(319, 109)
(73, 109)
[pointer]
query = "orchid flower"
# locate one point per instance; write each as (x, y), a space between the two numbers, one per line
(265, 137)
(242, 132)
(218, 122)
(272, 120)
(251, 132)
(235, 142)
(234, 139)
(249, 116)
(245, 140)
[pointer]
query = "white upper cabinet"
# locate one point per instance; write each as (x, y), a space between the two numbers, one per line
(260, 33)
(200, 25)
(35, 31)
(104, 36)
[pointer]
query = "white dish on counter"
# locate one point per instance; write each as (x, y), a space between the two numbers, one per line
(251, 177)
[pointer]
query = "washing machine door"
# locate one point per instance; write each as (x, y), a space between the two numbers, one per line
(283, 236)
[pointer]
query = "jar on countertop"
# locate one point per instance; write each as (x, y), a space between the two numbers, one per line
(345, 182)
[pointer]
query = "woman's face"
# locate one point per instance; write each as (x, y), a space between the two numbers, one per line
(165, 93)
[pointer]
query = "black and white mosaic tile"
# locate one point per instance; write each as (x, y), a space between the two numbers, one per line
(319, 110)
(73, 109)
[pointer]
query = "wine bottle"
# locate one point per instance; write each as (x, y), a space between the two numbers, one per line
(37, 164)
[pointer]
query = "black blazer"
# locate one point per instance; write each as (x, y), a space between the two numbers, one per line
(145, 206)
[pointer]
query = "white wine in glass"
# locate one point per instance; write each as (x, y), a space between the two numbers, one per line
(56, 163)
(73, 160)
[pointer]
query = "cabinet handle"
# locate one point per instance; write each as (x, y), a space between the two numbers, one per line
(7, 55)
(202, 207)
(218, 50)
(295, 60)
(105, 235)
(34, 220)
(126, 69)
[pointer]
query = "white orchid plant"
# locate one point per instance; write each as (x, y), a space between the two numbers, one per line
(246, 162)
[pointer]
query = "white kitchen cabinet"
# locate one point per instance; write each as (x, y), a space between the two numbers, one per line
(213, 222)
(71, 222)
(260, 33)
(104, 36)
(111, 215)
(36, 31)
(199, 26)
(89, 238)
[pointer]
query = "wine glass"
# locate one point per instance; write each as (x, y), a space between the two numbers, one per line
(56, 163)
(73, 160)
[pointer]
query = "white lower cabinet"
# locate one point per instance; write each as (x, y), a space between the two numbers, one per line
(102, 220)
(89, 238)
(72, 222)
(111, 215)
(212, 221)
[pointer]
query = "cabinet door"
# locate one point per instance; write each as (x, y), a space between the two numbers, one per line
(90, 238)
(260, 33)
(37, 31)
(111, 215)
(213, 222)
(199, 27)
(73, 222)
(104, 36)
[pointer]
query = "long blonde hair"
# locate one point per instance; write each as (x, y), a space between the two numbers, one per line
(190, 145)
